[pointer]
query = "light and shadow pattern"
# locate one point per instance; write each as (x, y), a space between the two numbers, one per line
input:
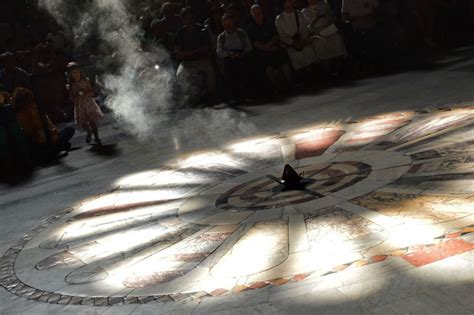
(211, 223)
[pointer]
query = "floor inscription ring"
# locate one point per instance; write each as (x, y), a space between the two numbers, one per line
(262, 193)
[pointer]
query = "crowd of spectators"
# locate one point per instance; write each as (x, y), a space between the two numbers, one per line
(231, 50)
(261, 48)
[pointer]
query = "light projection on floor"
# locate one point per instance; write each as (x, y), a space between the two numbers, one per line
(398, 185)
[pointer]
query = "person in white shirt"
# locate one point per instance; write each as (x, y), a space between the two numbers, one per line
(326, 39)
(293, 31)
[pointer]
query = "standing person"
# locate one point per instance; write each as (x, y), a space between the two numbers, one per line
(327, 42)
(233, 46)
(191, 49)
(368, 40)
(164, 29)
(271, 58)
(293, 31)
(86, 111)
(213, 26)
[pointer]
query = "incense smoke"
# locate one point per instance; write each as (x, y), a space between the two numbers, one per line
(138, 83)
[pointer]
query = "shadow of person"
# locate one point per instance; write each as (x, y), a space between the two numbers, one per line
(15, 171)
(109, 150)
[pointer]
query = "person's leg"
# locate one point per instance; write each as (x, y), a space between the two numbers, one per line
(233, 79)
(287, 72)
(272, 77)
(65, 135)
(95, 131)
(228, 80)
(88, 130)
(186, 76)
(206, 67)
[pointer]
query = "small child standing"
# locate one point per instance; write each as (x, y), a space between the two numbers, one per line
(86, 111)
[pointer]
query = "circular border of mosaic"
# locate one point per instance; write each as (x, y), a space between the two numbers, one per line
(12, 284)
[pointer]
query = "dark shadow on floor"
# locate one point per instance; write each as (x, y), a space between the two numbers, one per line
(108, 150)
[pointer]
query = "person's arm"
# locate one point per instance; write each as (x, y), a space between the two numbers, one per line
(274, 39)
(309, 20)
(73, 93)
(53, 130)
(305, 27)
(88, 91)
(260, 45)
(285, 38)
(35, 67)
(345, 17)
(248, 45)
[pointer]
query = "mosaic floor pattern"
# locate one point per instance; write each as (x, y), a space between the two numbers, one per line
(213, 223)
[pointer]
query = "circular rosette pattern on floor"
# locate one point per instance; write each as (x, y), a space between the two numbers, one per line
(219, 222)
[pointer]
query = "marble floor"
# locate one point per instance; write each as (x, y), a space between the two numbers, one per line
(196, 222)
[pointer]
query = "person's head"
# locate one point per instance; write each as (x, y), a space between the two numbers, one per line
(289, 5)
(8, 61)
(216, 15)
(22, 98)
(167, 10)
(257, 14)
(74, 72)
(233, 9)
(228, 22)
(187, 17)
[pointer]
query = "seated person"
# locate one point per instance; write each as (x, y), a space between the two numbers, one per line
(327, 42)
(270, 56)
(233, 46)
(294, 35)
(11, 76)
(14, 151)
(42, 135)
(191, 49)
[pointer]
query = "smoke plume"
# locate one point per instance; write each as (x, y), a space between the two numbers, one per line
(139, 84)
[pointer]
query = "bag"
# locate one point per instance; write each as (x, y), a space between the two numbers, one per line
(328, 31)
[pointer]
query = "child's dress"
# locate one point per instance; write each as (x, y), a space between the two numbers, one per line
(86, 109)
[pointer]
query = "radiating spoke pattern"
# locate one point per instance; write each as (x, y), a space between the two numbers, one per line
(218, 222)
